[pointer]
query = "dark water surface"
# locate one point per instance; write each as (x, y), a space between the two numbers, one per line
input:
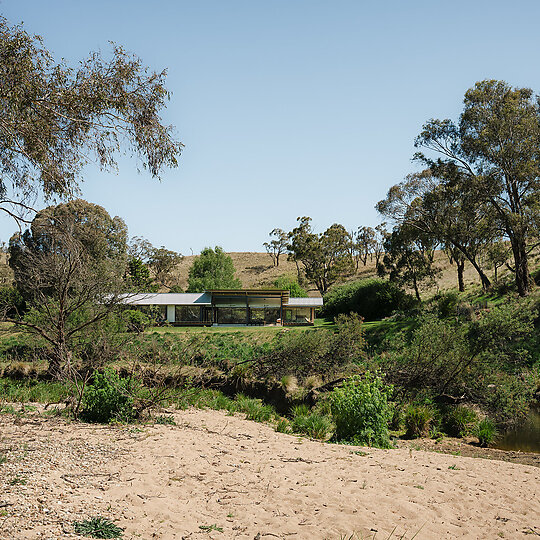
(525, 437)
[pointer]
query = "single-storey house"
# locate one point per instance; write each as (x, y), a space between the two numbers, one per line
(231, 307)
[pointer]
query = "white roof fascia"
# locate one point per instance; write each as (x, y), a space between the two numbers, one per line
(169, 299)
(304, 302)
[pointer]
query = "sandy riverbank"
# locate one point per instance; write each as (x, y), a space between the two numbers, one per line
(212, 469)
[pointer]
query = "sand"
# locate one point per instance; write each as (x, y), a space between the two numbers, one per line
(213, 471)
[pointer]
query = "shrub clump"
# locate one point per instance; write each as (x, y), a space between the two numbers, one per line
(459, 421)
(361, 411)
(486, 431)
(108, 398)
(418, 420)
(136, 320)
(371, 298)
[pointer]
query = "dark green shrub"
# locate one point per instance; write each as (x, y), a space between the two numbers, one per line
(108, 398)
(372, 299)
(459, 421)
(447, 303)
(418, 420)
(136, 320)
(361, 412)
(12, 304)
(486, 431)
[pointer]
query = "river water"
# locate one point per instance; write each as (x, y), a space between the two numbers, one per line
(525, 437)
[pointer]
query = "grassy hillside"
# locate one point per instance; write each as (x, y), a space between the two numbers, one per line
(255, 269)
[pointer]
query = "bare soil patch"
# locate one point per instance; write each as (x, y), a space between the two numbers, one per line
(211, 469)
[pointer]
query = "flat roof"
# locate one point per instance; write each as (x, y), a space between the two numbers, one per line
(169, 299)
(205, 298)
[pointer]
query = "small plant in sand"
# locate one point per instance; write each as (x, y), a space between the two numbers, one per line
(109, 397)
(165, 420)
(361, 411)
(283, 426)
(98, 527)
(254, 409)
(210, 528)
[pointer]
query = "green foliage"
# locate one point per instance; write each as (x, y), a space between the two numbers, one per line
(459, 421)
(254, 409)
(283, 426)
(289, 283)
(136, 320)
(418, 420)
(325, 257)
(447, 303)
(311, 423)
(371, 299)
(12, 303)
(361, 411)
(212, 269)
(98, 527)
(32, 390)
(309, 352)
(62, 117)
(486, 431)
(139, 276)
(108, 398)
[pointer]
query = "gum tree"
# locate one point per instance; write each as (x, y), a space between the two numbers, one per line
(54, 119)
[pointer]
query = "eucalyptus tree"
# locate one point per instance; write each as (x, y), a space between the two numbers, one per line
(408, 258)
(278, 246)
(495, 148)
(325, 257)
(55, 118)
(436, 206)
(69, 267)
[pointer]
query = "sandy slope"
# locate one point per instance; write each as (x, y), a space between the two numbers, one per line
(213, 469)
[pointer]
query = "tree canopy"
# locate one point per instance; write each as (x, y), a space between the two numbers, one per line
(212, 269)
(493, 156)
(54, 119)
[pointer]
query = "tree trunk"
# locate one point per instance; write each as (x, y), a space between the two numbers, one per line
(523, 280)
(415, 286)
(460, 267)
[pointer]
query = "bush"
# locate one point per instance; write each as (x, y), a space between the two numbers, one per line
(418, 420)
(136, 321)
(459, 421)
(372, 299)
(447, 303)
(486, 431)
(108, 398)
(313, 352)
(361, 411)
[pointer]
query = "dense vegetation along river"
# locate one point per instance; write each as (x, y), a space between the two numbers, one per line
(525, 438)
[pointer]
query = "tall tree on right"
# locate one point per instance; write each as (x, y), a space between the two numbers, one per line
(495, 147)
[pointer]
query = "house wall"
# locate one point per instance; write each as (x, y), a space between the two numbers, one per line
(170, 313)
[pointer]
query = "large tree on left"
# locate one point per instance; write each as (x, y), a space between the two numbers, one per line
(69, 267)
(54, 118)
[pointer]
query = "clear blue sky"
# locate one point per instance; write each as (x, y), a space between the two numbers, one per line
(286, 107)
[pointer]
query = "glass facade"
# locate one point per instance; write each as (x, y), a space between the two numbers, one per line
(187, 313)
(297, 315)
